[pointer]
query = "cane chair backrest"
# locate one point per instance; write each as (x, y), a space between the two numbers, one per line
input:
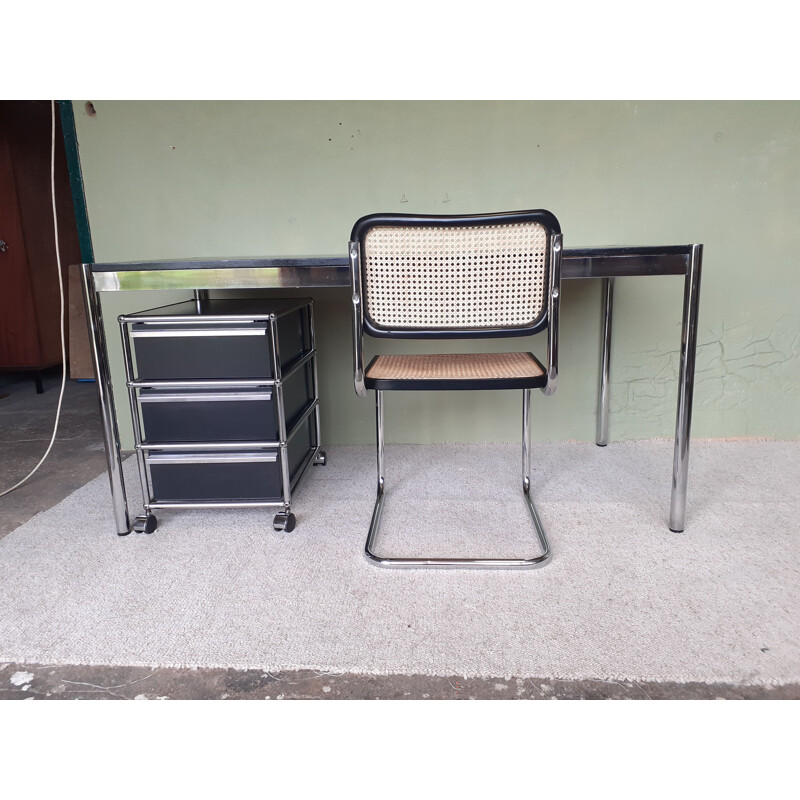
(463, 276)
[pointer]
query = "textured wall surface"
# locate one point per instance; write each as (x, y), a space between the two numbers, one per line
(185, 179)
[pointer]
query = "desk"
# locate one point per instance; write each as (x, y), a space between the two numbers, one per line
(604, 263)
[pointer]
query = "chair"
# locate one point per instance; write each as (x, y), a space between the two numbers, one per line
(456, 277)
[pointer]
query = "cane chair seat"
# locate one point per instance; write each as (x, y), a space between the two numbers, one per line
(465, 370)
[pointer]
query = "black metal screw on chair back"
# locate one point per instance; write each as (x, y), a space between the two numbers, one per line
(456, 277)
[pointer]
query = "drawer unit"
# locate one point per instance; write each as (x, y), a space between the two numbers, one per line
(301, 444)
(298, 389)
(201, 415)
(212, 353)
(215, 477)
(225, 403)
(224, 415)
(191, 346)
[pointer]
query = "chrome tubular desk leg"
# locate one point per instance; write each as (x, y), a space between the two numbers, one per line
(680, 465)
(105, 394)
(200, 295)
(603, 394)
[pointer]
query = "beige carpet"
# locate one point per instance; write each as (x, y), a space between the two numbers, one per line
(623, 598)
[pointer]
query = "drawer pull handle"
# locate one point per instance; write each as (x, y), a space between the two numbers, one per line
(173, 334)
(211, 458)
(208, 397)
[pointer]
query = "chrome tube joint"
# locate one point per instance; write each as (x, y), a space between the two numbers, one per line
(553, 309)
(358, 320)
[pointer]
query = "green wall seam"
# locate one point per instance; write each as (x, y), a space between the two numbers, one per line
(76, 179)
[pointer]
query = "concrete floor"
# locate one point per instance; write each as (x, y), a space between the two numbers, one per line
(26, 421)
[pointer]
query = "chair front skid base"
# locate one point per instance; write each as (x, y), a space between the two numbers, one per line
(462, 563)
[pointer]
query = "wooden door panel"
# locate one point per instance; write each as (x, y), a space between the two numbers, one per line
(19, 342)
(30, 334)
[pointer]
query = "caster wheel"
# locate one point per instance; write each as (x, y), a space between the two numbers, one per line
(284, 522)
(145, 524)
(321, 459)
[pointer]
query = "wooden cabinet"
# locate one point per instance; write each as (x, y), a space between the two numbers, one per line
(30, 336)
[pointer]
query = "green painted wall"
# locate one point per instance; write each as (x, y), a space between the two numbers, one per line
(186, 179)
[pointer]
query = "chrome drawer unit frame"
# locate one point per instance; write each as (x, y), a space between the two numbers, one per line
(225, 403)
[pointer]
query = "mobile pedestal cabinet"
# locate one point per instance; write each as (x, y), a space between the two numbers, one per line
(225, 403)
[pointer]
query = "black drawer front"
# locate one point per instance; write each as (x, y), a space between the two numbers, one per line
(211, 477)
(294, 335)
(207, 416)
(217, 351)
(298, 392)
(201, 354)
(303, 441)
(229, 476)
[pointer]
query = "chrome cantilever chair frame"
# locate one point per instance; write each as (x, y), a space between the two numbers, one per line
(552, 297)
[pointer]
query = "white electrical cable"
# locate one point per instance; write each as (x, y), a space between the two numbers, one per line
(61, 291)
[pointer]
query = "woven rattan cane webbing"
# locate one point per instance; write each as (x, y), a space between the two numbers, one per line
(455, 277)
(457, 366)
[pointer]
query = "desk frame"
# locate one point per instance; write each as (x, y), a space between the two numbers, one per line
(605, 263)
